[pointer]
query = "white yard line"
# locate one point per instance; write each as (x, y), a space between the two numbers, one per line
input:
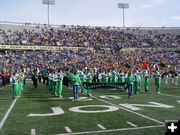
(170, 95)
(110, 130)
(129, 110)
(7, 113)
(68, 129)
(101, 126)
(33, 131)
(132, 124)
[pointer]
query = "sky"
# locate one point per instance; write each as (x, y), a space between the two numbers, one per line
(141, 13)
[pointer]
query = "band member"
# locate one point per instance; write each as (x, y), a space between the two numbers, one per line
(146, 80)
(89, 80)
(35, 78)
(137, 84)
(60, 83)
(50, 84)
(15, 84)
(21, 84)
(55, 83)
(157, 77)
(45, 77)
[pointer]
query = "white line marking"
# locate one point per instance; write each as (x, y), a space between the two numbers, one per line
(129, 110)
(111, 130)
(68, 129)
(110, 97)
(82, 98)
(135, 107)
(7, 113)
(56, 98)
(33, 131)
(110, 108)
(132, 124)
(56, 111)
(170, 95)
(101, 126)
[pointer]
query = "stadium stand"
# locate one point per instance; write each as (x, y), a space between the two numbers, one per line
(108, 62)
(108, 46)
(88, 36)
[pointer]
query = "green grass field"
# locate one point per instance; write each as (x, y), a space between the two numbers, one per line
(122, 121)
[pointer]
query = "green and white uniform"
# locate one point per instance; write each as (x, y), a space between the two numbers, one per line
(15, 85)
(157, 77)
(106, 78)
(60, 83)
(114, 77)
(137, 83)
(83, 79)
(21, 85)
(103, 75)
(146, 81)
(100, 77)
(110, 77)
(55, 84)
(122, 77)
(89, 80)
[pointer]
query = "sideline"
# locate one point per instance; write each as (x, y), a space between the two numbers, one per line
(7, 113)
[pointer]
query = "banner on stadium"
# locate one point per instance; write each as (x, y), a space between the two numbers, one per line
(122, 85)
(58, 48)
(30, 47)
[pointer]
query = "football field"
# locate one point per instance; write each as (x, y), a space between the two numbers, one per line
(106, 112)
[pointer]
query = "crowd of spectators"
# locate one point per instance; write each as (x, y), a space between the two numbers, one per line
(95, 37)
(89, 37)
(13, 60)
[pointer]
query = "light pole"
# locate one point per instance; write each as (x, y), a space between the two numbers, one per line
(48, 2)
(123, 6)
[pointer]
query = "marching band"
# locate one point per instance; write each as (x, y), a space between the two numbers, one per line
(56, 78)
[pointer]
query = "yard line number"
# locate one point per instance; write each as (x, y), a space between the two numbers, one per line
(101, 108)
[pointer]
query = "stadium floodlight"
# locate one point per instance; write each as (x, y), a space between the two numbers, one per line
(48, 2)
(123, 6)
